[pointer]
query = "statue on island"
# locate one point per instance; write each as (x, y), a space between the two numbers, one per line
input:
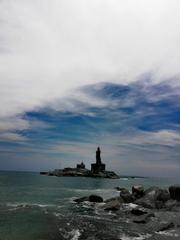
(98, 156)
(98, 169)
(98, 166)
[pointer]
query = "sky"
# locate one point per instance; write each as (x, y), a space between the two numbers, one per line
(75, 75)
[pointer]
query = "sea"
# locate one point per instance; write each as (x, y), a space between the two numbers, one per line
(40, 207)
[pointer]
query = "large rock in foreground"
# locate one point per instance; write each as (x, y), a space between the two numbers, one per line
(175, 192)
(154, 197)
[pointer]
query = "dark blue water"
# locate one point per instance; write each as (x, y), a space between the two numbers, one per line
(34, 206)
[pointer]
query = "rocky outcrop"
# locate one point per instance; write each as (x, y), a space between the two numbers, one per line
(151, 198)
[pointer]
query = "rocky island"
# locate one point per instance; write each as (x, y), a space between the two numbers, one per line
(98, 170)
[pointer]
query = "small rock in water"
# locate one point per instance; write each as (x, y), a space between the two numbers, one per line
(91, 198)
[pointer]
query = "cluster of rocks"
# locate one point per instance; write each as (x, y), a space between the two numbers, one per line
(145, 203)
(151, 198)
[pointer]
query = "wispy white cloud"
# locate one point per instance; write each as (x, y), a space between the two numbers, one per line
(11, 128)
(10, 136)
(49, 48)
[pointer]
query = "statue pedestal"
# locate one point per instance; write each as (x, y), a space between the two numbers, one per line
(96, 168)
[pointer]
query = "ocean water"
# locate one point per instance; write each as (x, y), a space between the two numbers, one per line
(38, 207)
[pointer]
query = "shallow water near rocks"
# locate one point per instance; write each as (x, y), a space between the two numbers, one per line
(37, 207)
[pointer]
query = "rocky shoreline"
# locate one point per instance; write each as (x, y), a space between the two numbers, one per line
(153, 212)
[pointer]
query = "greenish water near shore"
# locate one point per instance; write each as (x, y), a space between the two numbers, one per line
(33, 206)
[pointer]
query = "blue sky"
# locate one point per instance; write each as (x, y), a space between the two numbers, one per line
(75, 75)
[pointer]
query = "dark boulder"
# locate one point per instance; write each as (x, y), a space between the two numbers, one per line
(126, 196)
(138, 191)
(175, 192)
(95, 198)
(91, 198)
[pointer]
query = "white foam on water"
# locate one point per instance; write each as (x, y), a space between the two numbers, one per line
(58, 214)
(17, 206)
(129, 206)
(170, 233)
(141, 237)
(132, 205)
(76, 234)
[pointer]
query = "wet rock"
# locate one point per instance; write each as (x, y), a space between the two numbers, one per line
(138, 211)
(175, 192)
(166, 226)
(145, 202)
(95, 198)
(119, 199)
(150, 192)
(162, 195)
(113, 205)
(126, 196)
(82, 199)
(170, 204)
(138, 191)
(91, 198)
(173, 205)
(144, 218)
(154, 197)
